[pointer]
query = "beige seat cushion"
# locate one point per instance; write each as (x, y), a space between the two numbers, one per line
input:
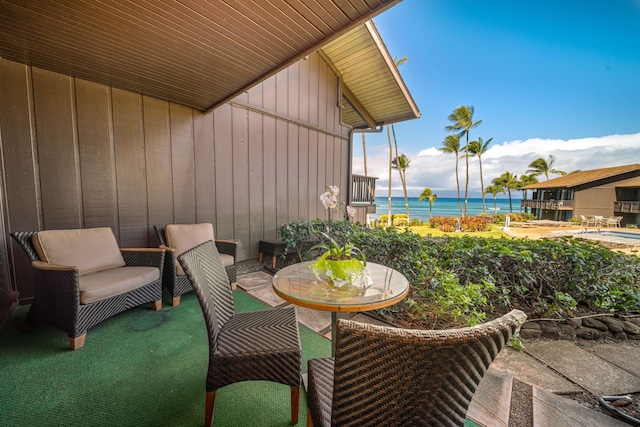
(182, 237)
(89, 249)
(227, 260)
(115, 281)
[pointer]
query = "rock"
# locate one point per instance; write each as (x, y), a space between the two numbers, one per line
(576, 323)
(631, 328)
(614, 325)
(550, 331)
(590, 322)
(588, 333)
(530, 325)
(530, 333)
(566, 332)
(634, 320)
(620, 335)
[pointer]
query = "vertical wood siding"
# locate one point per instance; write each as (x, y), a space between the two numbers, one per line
(76, 154)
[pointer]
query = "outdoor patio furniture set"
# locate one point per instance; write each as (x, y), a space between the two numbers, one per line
(600, 221)
(82, 277)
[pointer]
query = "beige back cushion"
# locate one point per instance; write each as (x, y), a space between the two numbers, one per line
(89, 249)
(182, 237)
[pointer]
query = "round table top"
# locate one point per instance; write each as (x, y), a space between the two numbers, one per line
(296, 284)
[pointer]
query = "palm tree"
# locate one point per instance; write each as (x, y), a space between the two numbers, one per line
(544, 167)
(462, 122)
(509, 182)
(494, 189)
(428, 195)
(478, 148)
(451, 144)
(524, 181)
(401, 163)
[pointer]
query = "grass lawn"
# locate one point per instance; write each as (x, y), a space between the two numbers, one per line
(425, 230)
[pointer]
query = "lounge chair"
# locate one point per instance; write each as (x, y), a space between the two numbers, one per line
(585, 221)
(612, 221)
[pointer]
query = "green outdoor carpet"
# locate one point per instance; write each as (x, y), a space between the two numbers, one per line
(140, 368)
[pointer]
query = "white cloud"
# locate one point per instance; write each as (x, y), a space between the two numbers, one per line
(436, 170)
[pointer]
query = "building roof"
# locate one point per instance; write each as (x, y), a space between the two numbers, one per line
(194, 53)
(374, 93)
(584, 177)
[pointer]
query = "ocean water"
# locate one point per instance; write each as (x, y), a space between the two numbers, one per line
(442, 207)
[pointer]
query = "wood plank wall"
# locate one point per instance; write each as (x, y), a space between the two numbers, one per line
(76, 154)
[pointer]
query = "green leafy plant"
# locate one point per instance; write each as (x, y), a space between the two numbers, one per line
(458, 301)
(516, 342)
(339, 264)
(336, 252)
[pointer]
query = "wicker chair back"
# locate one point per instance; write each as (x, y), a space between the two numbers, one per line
(392, 376)
(211, 285)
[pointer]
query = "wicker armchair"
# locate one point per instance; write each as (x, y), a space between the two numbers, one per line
(173, 278)
(261, 345)
(74, 300)
(384, 376)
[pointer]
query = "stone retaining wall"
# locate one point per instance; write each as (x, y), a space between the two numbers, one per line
(588, 328)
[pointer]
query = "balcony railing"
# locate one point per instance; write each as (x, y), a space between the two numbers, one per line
(363, 189)
(631, 207)
(558, 205)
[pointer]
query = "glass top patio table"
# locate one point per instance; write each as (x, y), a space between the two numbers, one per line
(297, 284)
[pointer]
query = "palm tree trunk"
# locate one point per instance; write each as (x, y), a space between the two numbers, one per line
(390, 160)
(403, 179)
(510, 205)
(466, 185)
(364, 153)
(458, 185)
(401, 173)
(484, 207)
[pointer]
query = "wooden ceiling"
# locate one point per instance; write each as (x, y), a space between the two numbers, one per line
(195, 53)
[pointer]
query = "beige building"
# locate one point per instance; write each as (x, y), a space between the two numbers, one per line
(605, 192)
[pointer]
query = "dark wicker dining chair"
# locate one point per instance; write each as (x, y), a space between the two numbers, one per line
(259, 345)
(385, 376)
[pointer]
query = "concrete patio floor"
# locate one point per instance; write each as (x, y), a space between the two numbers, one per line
(546, 369)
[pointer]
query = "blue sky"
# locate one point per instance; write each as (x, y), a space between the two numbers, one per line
(545, 77)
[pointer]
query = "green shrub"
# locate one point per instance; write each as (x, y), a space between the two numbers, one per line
(467, 302)
(400, 222)
(466, 278)
(513, 217)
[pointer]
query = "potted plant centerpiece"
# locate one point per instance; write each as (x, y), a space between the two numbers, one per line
(340, 265)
